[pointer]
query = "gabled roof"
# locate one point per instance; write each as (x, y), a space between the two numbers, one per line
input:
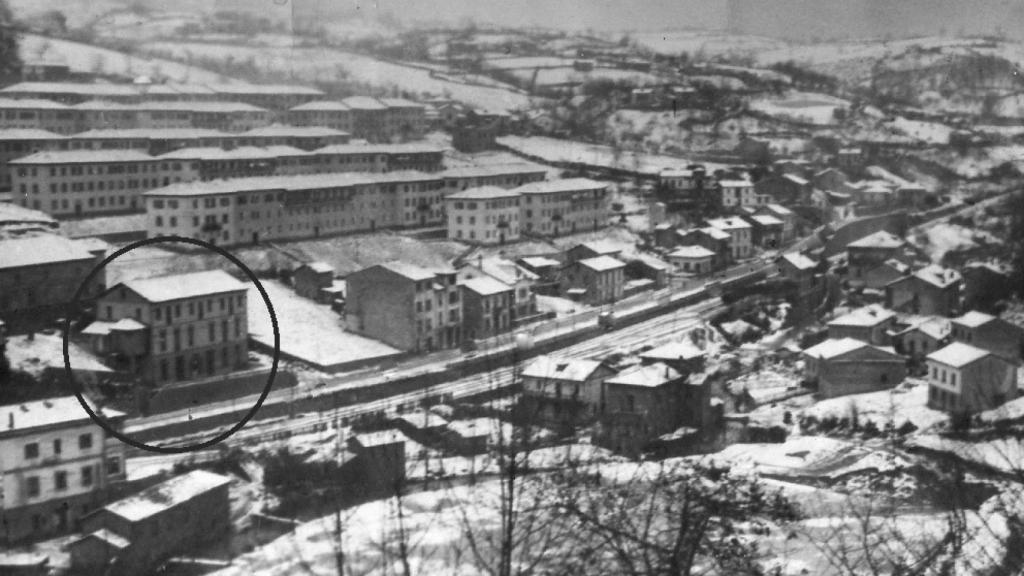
(681, 350)
(600, 247)
(799, 261)
(938, 276)
(40, 249)
(65, 410)
(691, 252)
(778, 209)
(974, 319)
(958, 355)
(602, 263)
(571, 369)
(796, 179)
(646, 376)
(880, 239)
(766, 220)
(181, 286)
(870, 315)
(539, 261)
(363, 103)
(562, 185)
(836, 347)
(166, 495)
(486, 286)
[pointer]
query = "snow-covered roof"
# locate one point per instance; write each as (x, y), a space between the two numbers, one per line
(938, 276)
(880, 239)
(408, 270)
(477, 427)
(766, 220)
(715, 233)
(33, 103)
(732, 223)
(486, 286)
(319, 267)
(897, 265)
(691, 252)
(602, 263)
(400, 103)
(835, 347)
(562, 185)
(363, 103)
(676, 173)
(600, 247)
(571, 369)
(539, 261)
(778, 209)
(321, 105)
(974, 319)
(65, 410)
(149, 133)
(40, 249)
(958, 355)
(81, 88)
(870, 315)
(483, 193)
(681, 350)
(422, 419)
(29, 134)
(83, 157)
(181, 286)
(934, 327)
(796, 179)
(379, 438)
(166, 495)
(100, 327)
(647, 376)
(504, 270)
(735, 183)
(799, 261)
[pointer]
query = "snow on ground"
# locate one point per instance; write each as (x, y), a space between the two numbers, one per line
(560, 306)
(930, 132)
(328, 64)
(801, 106)
(308, 330)
(906, 402)
(570, 151)
(1004, 454)
(350, 253)
(805, 456)
(86, 58)
(944, 237)
(47, 351)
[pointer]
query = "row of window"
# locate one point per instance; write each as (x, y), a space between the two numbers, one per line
(190, 335)
(32, 448)
(33, 484)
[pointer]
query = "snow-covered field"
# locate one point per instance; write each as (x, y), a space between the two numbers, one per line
(802, 107)
(327, 64)
(904, 403)
(929, 132)
(1004, 454)
(86, 58)
(804, 456)
(568, 74)
(308, 330)
(569, 151)
(706, 43)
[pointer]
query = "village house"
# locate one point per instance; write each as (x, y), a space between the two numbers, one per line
(369, 118)
(880, 276)
(740, 236)
(646, 401)
(57, 463)
(871, 324)
(311, 278)
(989, 333)
(717, 241)
(922, 337)
(682, 355)
(595, 281)
(484, 215)
(520, 279)
(405, 306)
(136, 534)
(681, 182)
(545, 268)
(986, 283)
(766, 231)
(40, 273)
(488, 307)
(784, 189)
(734, 194)
(850, 157)
(849, 366)
(566, 206)
(563, 393)
(173, 328)
(695, 260)
(326, 113)
(787, 216)
(966, 379)
(871, 251)
(932, 290)
(585, 250)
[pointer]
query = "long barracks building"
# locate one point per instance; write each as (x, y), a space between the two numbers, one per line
(79, 182)
(245, 210)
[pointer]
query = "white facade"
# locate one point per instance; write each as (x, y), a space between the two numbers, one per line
(558, 207)
(738, 193)
(739, 230)
(485, 215)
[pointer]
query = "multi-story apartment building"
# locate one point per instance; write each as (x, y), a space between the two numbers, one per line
(369, 118)
(39, 274)
(302, 137)
(77, 182)
(488, 307)
(563, 392)
(276, 97)
(484, 215)
(37, 114)
(173, 328)
(406, 120)
(966, 379)
(307, 206)
(737, 194)
(740, 232)
(56, 465)
(872, 324)
(405, 306)
(566, 206)
(21, 142)
(326, 113)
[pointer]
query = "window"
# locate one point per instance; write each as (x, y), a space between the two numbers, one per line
(57, 447)
(31, 451)
(32, 486)
(86, 476)
(60, 480)
(113, 466)
(85, 441)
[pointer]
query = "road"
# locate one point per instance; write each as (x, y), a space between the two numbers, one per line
(651, 332)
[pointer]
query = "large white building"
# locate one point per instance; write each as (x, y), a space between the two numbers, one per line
(740, 235)
(566, 206)
(484, 215)
(56, 465)
(247, 210)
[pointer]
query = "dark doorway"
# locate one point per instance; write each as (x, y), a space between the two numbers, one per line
(179, 368)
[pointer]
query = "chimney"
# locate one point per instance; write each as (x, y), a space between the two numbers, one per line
(10, 420)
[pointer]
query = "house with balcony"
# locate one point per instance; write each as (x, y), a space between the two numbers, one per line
(173, 328)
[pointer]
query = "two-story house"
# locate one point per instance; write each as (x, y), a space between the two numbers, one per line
(871, 324)
(173, 328)
(562, 393)
(966, 379)
(595, 281)
(56, 465)
(989, 333)
(849, 366)
(932, 290)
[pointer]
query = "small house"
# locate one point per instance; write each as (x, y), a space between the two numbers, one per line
(848, 366)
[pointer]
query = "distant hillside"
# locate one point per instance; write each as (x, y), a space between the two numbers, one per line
(809, 19)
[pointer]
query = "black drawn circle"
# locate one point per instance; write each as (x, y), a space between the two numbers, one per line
(76, 302)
